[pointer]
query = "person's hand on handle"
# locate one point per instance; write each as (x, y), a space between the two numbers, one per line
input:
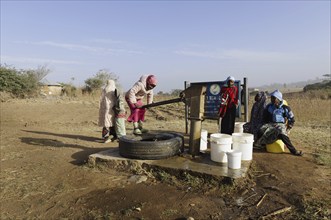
(137, 105)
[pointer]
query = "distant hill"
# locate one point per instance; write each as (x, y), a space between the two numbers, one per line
(290, 86)
(326, 84)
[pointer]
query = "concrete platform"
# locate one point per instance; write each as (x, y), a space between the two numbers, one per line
(200, 166)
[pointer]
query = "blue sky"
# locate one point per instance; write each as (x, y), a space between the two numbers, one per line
(265, 41)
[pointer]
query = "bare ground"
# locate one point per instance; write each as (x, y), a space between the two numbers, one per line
(44, 175)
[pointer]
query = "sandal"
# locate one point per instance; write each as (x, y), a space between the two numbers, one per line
(298, 153)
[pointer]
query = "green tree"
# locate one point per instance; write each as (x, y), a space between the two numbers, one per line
(100, 79)
(105, 75)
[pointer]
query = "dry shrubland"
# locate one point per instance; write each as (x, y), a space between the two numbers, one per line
(312, 112)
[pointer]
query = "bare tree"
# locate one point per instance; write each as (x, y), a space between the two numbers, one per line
(40, 73)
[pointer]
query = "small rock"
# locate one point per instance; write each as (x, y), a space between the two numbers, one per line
(190, 218)
(192, 204)
(138, 179)
(240, 201)
(138, 209)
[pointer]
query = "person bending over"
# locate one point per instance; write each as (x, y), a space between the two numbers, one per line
(134, 98)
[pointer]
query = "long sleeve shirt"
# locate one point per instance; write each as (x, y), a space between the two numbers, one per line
(138, 91)
(232, 93)
(281, 114)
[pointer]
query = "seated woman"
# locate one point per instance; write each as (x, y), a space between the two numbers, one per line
(278, 119)
(256, 120)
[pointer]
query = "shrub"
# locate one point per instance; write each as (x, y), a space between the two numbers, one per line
(19, 83)
(68, 90)
(175, 92)
(94, 83)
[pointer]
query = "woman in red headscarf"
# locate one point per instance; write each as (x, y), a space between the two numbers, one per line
(134, 98)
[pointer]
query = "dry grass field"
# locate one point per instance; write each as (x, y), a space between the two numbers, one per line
(313, 121)
(45, 143)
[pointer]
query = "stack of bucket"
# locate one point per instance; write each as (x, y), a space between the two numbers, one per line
(232, 149)
(219, 145)
(243, 142)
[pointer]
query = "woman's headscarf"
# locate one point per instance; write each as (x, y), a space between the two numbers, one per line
(230, 78)
(256, 120)
(261, 98)
(277, 94)
(151, 80)
(110, 86)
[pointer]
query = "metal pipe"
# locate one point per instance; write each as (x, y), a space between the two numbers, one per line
(162, 103)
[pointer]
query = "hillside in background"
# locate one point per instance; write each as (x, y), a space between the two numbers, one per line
(326, 84)
(297, 86)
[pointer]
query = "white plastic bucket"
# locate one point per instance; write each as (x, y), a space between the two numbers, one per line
(203, 140)
(239, 127)
(219, 145)
(234, 159)
(243, 142)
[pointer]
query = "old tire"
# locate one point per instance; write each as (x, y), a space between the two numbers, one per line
(150, 146)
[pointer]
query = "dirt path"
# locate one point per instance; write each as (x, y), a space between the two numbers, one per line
(45, 144)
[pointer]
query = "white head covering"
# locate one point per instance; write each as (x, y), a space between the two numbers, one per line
(110, 86)
(143, 80)
(277, 94)
(230, 78)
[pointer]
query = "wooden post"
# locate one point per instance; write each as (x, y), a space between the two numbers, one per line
(186, 85)
(195, 137)
(246, 98)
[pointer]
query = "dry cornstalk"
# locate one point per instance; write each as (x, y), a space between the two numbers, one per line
(264, 174)
(249, 197)
(279, 211)
(259, 203)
